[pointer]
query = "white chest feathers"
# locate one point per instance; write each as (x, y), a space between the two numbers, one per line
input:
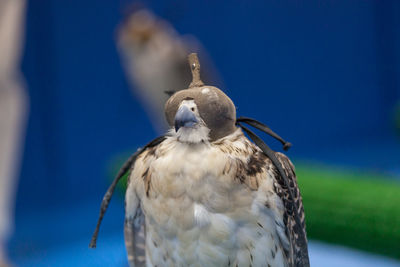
(199, 214)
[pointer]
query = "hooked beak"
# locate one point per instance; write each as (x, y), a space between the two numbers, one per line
(184, 118)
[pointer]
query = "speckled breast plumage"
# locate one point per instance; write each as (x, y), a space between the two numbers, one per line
(200, 211)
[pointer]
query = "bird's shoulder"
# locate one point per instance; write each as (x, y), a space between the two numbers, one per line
(259, 173)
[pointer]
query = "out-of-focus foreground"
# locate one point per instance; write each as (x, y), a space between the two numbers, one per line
(325, 75)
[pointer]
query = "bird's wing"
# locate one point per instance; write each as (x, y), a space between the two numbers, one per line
(297, 253)
(135, 239)
(134, 227)
(282, 172)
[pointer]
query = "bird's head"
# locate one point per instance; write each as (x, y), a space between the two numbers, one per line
(201, 114)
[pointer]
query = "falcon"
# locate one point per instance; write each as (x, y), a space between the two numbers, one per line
(205, 195)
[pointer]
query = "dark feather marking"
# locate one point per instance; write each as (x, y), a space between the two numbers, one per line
(260, 225)
(144, 175)
(147, 181)
(152, 151)
(241, 178)
(246, 171)
(255, 164)
(240, 171)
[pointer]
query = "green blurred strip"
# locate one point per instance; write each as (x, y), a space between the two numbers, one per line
(356, 210)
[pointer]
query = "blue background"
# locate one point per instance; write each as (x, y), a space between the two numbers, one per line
(323, 74)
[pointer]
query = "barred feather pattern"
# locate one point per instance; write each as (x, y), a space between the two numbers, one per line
(297, 245)
(135, 239)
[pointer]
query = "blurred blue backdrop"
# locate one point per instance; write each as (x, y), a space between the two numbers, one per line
(323, 74)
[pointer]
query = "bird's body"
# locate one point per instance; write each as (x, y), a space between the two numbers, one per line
(208, 204)
(204, 195)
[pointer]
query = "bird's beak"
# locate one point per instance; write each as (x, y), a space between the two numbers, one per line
(184, 118)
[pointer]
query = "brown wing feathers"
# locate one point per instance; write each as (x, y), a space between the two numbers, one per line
(293, 230)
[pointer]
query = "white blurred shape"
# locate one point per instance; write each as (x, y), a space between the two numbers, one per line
(155, 59)
(13, 107)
